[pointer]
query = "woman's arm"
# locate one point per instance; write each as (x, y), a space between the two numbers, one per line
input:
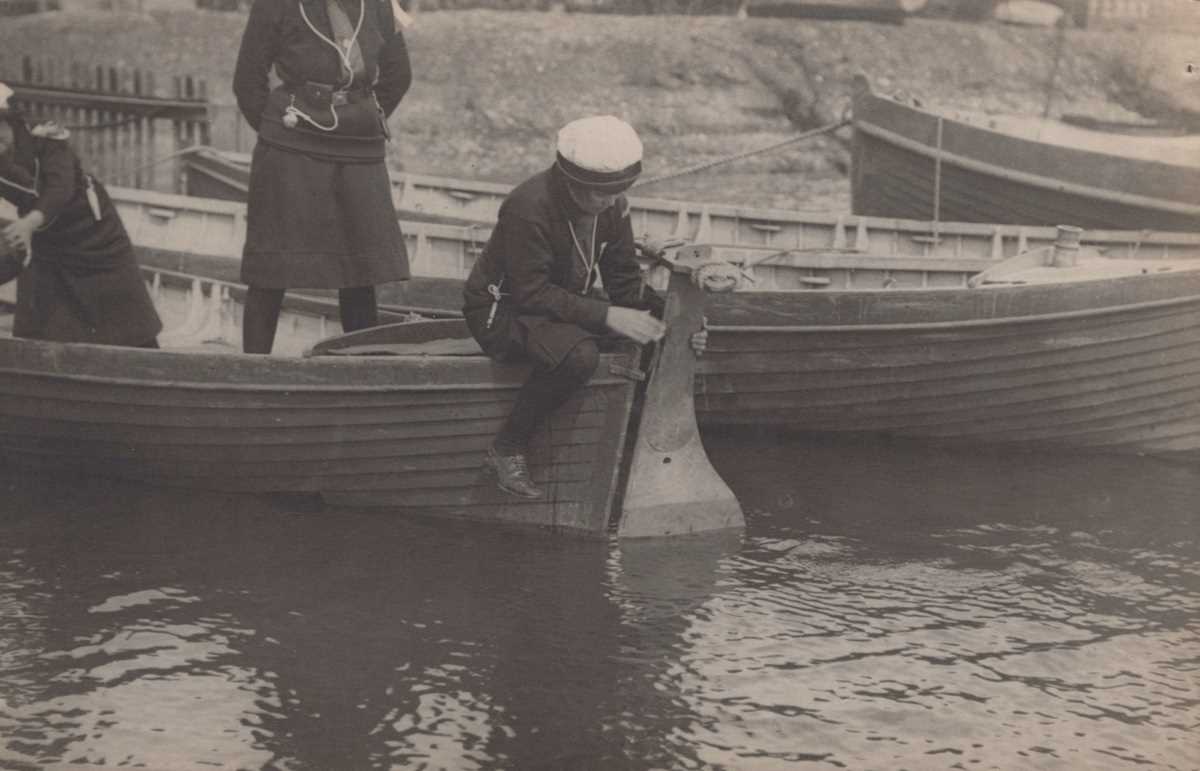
(395, 71)
(56, 177)
(256, 55)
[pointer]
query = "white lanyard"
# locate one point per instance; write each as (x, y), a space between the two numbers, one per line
(588, 260)
(37, 171)
(343, 54)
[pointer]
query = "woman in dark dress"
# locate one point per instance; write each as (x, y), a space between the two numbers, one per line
(81, 283)
(320, 211)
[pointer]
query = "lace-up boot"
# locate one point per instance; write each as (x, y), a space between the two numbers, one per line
(512, 474)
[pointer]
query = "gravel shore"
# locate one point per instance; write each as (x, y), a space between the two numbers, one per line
(492, 87)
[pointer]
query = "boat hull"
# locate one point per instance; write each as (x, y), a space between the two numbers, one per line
(1107, 366)
(406, 433)
(918, 165)
(887, 263)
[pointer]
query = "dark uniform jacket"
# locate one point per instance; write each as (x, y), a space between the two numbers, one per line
(83, 283)
(532, 259)
(311, 71)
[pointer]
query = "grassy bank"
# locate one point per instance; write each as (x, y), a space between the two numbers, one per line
(492, 87)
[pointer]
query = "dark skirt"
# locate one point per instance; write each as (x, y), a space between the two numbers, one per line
(83, 284)
(320, 224)
(109, 306)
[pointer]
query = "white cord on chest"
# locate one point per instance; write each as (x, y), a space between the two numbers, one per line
(588, 259)
(343, 53)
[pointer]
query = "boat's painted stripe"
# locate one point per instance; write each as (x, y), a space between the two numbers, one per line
(1023, 177)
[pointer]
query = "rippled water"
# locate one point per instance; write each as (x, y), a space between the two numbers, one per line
(886, 608)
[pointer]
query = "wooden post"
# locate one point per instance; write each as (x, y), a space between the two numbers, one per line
(673, 488)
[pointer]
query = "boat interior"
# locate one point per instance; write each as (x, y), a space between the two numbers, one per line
(202, 314)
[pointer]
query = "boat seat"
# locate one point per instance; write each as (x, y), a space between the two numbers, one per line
(442, 337)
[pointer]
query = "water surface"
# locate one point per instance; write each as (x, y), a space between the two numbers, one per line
(887, 607)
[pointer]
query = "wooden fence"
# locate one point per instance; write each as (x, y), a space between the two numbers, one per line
(127, 126)
(22, 7)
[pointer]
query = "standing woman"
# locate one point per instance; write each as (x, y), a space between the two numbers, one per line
(320, 211)
(80, 282)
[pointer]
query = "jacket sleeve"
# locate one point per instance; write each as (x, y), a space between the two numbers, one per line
(530, 258)
(620, 270)
(56, 178)
(395, 70)
(256, 55)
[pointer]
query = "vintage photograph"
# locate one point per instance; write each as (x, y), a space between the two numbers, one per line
(599, 385)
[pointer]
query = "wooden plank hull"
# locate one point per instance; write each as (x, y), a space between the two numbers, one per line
(406, 433)
(891, 266)
(1106, 366)
(919, 165)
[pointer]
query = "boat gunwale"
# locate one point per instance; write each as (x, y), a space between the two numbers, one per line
(941, 325)
(337, 363)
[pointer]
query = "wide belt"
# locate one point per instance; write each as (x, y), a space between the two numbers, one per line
(326, 95)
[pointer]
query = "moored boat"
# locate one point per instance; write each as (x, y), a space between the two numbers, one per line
(872, 325)
(204, 235)
(396, 417)
(914, 163)
(1100, 356)
(795, 344)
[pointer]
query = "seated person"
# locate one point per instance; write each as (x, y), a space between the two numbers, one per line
(530, 296)
(81, 283)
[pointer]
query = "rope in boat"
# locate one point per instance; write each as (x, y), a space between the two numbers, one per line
(151, 115)
(826, 129)
(117, 178)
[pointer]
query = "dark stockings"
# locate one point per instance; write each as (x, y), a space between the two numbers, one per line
(356, 307)
(260, 318)
(544, 392)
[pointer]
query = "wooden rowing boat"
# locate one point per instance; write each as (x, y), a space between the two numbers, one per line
(396, 417)
(871, 325)
(858, 324)
(205, 235)
(917, 164)
(1101, 356)
(1009, 169)
(472, 206)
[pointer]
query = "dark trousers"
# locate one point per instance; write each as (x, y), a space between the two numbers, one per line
(548, 388)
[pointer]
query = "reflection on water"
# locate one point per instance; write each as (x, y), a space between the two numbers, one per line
(887, 607)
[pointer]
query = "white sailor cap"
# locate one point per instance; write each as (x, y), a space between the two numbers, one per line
(601, 152)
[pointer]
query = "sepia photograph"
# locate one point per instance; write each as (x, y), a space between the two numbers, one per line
(599, 385)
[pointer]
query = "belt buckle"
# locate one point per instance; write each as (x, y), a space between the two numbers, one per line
(338, 98)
